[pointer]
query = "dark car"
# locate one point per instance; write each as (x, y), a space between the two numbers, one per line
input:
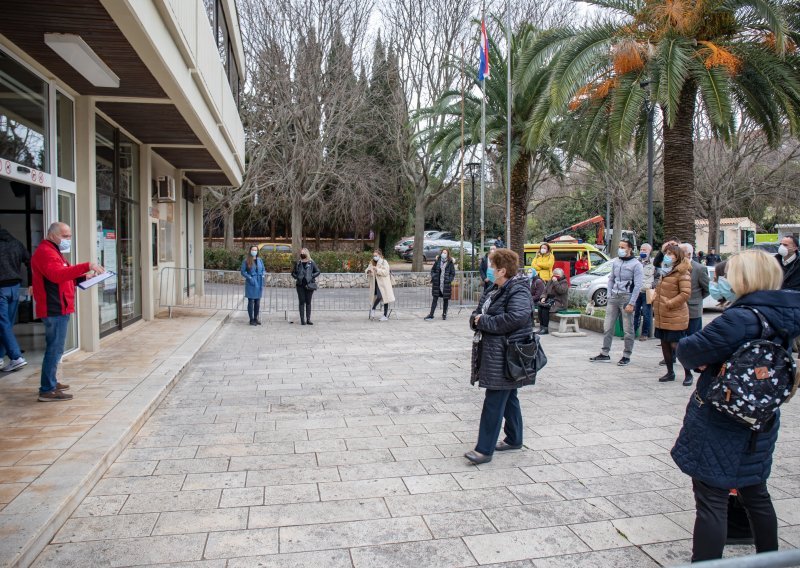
(769, 247)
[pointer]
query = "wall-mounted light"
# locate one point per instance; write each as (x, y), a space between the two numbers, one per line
(83, 59)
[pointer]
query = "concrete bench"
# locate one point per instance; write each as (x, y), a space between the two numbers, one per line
(569, 324)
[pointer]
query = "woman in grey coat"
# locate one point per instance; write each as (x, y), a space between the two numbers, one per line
(503, 316)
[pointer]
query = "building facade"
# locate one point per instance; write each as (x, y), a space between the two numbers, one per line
(735, 234)
(114, 114)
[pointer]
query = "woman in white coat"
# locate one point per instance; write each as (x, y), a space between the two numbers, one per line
(378, 272)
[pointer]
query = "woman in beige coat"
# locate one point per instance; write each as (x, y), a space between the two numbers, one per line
(670, 305)
(379, 272)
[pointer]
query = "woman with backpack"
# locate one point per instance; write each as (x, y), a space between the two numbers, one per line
(715, 449)
(305, 274)
(253, 272)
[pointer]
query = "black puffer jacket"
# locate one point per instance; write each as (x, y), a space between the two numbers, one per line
(507, 320)
(13, 255)
(436, 275)
(791, 272)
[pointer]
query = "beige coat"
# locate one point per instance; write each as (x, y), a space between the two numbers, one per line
(670, 303)
(384, 279)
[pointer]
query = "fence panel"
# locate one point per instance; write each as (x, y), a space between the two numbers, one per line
(224, 290)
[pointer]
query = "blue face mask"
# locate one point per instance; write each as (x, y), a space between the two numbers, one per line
(667, 262)
(253, 253)
(642, 255)
(622, 253)
(490, 273)
(65, 245)
(725, 290)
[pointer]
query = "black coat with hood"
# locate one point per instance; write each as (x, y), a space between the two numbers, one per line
(508, 320)
(13, 255)
(436, 276)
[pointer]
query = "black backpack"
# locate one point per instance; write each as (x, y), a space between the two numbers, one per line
(759, 377)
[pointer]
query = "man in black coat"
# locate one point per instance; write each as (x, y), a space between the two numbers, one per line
(712, 257)
(13, 255)
(484, 266)
(789, 260)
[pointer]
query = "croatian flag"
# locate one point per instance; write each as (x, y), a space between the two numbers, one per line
(483, 70)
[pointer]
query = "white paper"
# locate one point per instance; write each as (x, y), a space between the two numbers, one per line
(89, 282)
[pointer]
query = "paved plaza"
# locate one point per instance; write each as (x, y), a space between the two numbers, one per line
(341, 445)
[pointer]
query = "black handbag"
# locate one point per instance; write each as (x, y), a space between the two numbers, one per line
(524, 360)
(312, 286)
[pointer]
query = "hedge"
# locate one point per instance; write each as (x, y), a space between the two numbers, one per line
(327, 261)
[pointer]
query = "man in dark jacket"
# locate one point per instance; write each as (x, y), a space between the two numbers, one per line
(712, 257)
(484, 266)
(790, 262)
(700, 284)
(13, 255)
(54, 282)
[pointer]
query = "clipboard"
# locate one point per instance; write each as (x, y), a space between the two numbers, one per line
(94, 281)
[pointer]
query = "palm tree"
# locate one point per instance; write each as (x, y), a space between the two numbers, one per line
(726, 59)
(529, 165)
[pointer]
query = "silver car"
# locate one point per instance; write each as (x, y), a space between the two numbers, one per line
(592, 286)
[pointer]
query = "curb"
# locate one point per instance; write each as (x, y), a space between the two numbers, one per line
(28, 524)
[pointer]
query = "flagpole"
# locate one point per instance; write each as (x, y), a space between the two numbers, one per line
(483, 136)
(508, 128)
(461, 255)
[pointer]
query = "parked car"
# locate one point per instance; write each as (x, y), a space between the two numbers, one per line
(274, 247)
(440, 236)
(768, 247)
(403, 244)
(430, 251)
(592, 286)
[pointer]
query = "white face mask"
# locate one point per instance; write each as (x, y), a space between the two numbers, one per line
(376, 258)
(543, 250)
(444, 255)
(783, 250)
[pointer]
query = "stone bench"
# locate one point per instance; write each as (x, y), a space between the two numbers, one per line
(569, 324)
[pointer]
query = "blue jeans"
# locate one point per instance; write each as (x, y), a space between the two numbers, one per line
(9, 300)
(643, 311)
(55, 334)
(615, 309)
(497, 405)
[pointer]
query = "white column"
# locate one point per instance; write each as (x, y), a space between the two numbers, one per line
(145, 199)
(179, 237)
(86, 218)
(199, 257)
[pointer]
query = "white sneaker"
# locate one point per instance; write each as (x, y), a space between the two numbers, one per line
(384, 318)
(14, 364)
(372, 314)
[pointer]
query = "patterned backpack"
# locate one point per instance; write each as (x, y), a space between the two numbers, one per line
(759, 377)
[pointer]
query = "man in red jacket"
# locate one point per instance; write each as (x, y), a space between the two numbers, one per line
(54, 293)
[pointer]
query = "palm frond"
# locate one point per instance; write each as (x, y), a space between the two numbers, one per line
(674, 58)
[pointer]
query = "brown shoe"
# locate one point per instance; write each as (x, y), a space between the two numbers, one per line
(54, 396)
(61, 387)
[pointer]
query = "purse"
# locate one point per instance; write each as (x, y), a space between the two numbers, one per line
(524, 360)
(649, 294)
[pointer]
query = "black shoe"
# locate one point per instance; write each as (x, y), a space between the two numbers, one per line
(477, 458)
(688, 380)
(667, 378)
(543, 331)
(429, 317)
(258, 322)
(624, 362)
(503, 447)
(309, 322)
(600, 359)
(444, 316)
(253, 323)
(302, 322)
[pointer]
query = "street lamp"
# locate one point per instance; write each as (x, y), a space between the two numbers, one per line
(472, 167)
(650, 109)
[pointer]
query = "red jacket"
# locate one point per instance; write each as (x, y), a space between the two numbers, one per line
(54, 281)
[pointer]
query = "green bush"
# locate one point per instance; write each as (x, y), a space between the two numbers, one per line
(282, 262)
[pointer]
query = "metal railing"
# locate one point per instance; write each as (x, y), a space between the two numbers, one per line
(224, 290)
(777, 559)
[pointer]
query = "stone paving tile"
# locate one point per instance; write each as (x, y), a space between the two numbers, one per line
(600, 535)
(352, 534)
(650, 529)
(204, 520)
(519, 545)
(450, 502)
(545, 515)
(362, 489)
(293, 476)
(124, 552)
(430, 483)
(149, 484)
(100, 505)
(229, 544)
(465, 523)
(326, 559)
(452, 553)
(318, 512)
(180, 501)
(630, 557)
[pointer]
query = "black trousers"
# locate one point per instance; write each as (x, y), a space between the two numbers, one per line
(445, 301)
(544, 316)
(378, 299)
(497, 405)
(711, 522)
(304, 298)
(253, 306)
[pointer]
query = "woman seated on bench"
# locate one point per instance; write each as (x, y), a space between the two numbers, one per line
(555, 298)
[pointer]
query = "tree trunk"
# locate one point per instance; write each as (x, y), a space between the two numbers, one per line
(679, 192)
(714, 215)
(336, 239)
(616, 237)
(297, 224)
(519, 205)
(318, 239)
(273, 230)
(419, 231)
(228, 231)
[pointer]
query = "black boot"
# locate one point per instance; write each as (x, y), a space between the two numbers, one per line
(302, 316)
(444, 316)
(308, 314)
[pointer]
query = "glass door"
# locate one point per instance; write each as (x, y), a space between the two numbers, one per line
(66, 214)
(106, 224)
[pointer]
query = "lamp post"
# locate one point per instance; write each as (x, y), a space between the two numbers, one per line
(650, 108)
(472, 166)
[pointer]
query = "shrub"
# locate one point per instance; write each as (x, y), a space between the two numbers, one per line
(221, 259)
(282, 262)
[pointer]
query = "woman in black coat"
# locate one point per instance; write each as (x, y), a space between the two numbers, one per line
(717, 452)
(503, 316)
(443, 272)
(305, 274)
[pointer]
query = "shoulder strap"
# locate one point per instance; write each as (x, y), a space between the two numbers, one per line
(768, 330)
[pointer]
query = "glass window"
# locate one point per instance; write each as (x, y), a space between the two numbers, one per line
(722, 237)
(23, 115)
(596, 258)
(128, 168)
(211, 10)
(66, 213)
(222, 38)
(65, 138)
